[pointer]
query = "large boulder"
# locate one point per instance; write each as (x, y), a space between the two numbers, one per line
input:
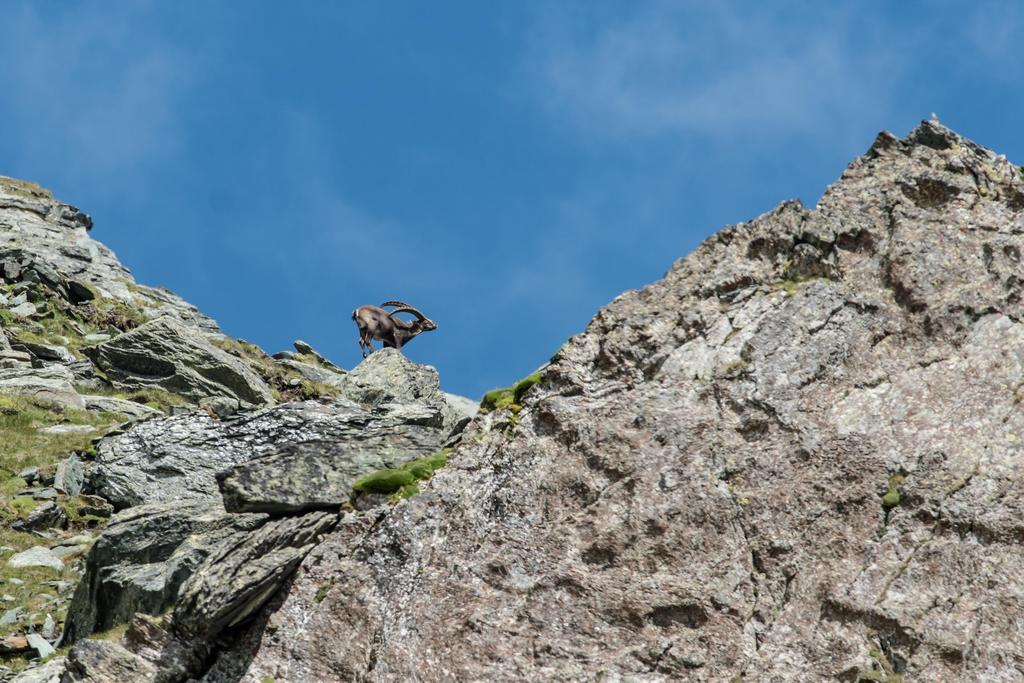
(169, 355)
(177, 458)
(796, 457)
(142, 558)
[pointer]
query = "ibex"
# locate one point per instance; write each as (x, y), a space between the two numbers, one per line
(376, 323)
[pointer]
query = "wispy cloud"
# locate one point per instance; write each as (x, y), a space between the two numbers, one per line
(706, 68)
(82, 85)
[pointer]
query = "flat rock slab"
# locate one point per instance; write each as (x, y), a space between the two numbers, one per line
(167, 354)
(36, 557)
(306, 476)
(110, 404)
(39, 644)
(53, 384)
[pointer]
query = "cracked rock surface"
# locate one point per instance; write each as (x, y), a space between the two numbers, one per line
(796, 457)
(391, 411)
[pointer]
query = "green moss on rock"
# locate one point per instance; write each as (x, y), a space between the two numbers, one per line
(384, 481)
(892, 497)
(508, 397)
(401, 481)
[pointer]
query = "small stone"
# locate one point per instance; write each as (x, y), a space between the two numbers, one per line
(11, 616)
(39, 644)
(70, 475)
(48, 493)
(15, 582)
(29, 474)
(45, 516)
(66, 429)
(25, 310)
(96, 338)
(49, 628)
(37, 556)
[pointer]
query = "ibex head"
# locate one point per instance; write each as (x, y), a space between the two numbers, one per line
(376, 323)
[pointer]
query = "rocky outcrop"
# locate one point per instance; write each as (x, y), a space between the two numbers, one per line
(143, 557)
(166, 354)
(796, 457)
(46, 241)
(373, 421)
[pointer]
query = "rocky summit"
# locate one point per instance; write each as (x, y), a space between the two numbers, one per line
(797, 457)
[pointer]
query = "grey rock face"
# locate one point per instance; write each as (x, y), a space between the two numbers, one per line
(794, 457)
(45, 384)
(177, 458)
(143, 557)
(166, 354)
(233, 583)
(305, 476)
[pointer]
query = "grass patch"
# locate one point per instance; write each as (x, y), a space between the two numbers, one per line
(33, 593)
(110, 634)
(402, 482)
(23, 188)
(24, 445)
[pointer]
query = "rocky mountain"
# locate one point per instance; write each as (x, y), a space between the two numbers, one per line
(794, 458)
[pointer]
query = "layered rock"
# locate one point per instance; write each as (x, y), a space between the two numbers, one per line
(143, 557)
(796, 457)
(168, 355)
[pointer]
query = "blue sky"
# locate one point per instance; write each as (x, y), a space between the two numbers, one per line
(508, 167)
